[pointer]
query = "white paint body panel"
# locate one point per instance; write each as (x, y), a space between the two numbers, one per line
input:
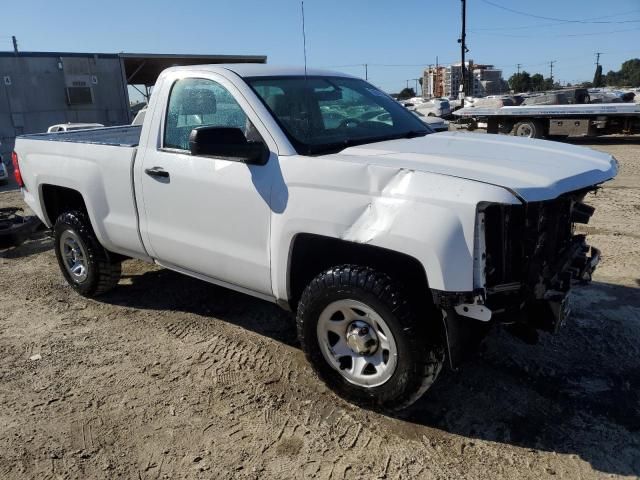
(534, 169)
(234, 224)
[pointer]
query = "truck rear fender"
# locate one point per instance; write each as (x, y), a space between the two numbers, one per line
(102, 182)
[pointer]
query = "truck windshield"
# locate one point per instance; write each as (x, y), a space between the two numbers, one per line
(328, 114)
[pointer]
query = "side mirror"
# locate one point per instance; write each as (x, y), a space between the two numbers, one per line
(227, 143)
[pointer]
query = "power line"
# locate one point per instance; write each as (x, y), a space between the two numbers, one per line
(555, 24)
(488, 2)
(557, 36)
(385, 65)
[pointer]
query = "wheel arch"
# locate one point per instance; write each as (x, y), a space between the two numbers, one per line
(304, 263)
(56, 199)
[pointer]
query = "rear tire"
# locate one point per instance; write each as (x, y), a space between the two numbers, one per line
(528, 129)
(400, 356)
(87, 266)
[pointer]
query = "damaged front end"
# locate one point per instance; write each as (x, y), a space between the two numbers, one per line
(527, 257)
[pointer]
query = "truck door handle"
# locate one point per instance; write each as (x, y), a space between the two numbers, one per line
(156, 172)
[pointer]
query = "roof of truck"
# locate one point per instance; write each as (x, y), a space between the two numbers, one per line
(263, 70)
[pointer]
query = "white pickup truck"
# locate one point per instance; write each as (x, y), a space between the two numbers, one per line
(397, 247)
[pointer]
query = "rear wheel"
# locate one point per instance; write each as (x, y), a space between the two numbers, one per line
(361, 336)
(87, 266)
(528, 129)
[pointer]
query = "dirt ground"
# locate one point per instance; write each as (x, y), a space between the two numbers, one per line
(169, 377)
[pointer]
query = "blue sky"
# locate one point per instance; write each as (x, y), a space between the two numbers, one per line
(396, 38)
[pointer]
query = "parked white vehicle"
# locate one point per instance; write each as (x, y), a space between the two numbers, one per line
(436, 124)
(67, 127)
(436, 107)
(139, 118)
(396, 248)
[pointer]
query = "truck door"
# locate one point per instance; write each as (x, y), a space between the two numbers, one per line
(209, 216)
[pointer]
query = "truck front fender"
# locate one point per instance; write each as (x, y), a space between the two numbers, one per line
(428, 217)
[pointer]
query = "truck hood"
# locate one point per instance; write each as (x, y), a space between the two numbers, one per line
(533, 170)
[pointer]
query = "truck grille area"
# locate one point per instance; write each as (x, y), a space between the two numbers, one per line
(531, 249)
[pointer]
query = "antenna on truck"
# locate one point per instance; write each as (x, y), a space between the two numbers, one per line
(306, 80)
(304, 40)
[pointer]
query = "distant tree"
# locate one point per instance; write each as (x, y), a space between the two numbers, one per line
(406, 93)
(537, 82)
(520, 82)
(630, 72)
(598, 81)
(628, 75)
(612, 78)
(550, 85)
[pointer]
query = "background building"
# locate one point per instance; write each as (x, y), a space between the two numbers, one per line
(445, 81)
(433, 82)
(487, 80)
(40, 89)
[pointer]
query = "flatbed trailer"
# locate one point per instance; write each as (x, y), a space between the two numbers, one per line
(557, 121)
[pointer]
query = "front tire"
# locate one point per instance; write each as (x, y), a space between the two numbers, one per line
(362, 338)
(87, 266)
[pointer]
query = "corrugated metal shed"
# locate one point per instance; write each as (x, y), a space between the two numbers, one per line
(40, 89)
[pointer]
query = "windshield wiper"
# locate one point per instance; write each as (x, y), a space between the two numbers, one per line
(334, 147)
(337, 147)
(415, 133)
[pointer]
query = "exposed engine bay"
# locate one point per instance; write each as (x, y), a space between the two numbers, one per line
(527, 256)
(532, 258)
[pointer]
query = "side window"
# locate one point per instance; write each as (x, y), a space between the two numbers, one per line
(197, 102)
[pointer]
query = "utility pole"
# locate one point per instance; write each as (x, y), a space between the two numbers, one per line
(551, 72)
(15, 44)
(463, 49)
(518, 66)
(597, 78)
(366, 71)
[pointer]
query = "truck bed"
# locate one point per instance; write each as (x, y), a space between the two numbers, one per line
(122, 136)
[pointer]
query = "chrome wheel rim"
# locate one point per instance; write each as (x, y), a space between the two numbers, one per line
(74, 256)
(356, 341)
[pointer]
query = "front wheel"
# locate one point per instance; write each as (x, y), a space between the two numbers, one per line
(362, 338)
(87, 266)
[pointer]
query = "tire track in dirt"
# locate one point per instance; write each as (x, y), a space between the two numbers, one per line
(293, 409)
